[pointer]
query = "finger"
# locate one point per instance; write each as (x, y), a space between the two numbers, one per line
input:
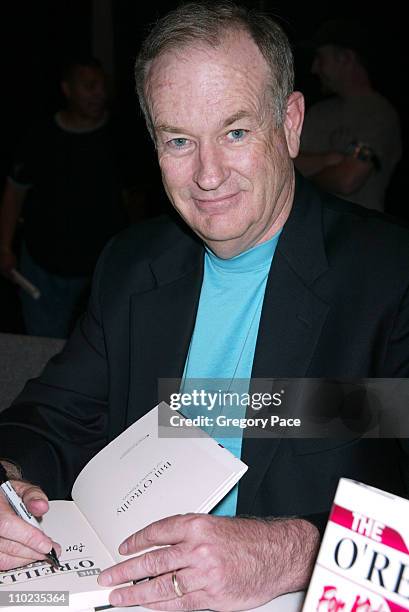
(34, 498)
(17, 530)
(14, 549)
(153, 563)
(170, 530)
(13, 555)
(23, 541)
(159, 589)
(10, 563)
(195, 601)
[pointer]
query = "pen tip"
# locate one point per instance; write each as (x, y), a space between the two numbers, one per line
(52, 556)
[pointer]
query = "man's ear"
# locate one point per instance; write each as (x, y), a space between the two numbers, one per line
(293, 122)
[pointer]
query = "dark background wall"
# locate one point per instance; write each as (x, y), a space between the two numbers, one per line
(36, 36)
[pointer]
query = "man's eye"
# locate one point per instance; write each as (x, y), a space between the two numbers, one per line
(235, 135)
(178, 143)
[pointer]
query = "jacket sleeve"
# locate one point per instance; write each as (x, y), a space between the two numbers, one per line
(58, 422)
(396, 360)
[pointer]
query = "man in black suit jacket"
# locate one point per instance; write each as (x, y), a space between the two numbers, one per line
(335, 305)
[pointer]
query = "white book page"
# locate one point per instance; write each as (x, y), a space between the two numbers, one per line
(291, 602)
(139, 478)
(83, 557)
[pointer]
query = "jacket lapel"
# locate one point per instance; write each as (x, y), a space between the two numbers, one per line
(162, 319)
(291, 321)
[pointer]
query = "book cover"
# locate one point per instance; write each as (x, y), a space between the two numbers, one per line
(363, 562)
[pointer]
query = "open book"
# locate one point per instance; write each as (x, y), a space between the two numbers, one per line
(135, 480)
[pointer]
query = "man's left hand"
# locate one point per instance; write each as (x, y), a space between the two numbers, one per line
(218, 563)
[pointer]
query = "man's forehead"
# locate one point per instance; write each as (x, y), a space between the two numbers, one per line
(236, 67)
(236, 50)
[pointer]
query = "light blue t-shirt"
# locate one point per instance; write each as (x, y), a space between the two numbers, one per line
(225, 335)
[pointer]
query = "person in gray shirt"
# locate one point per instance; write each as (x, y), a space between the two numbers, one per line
(351, 141)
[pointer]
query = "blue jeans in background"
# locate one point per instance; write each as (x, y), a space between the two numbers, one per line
(54, 313)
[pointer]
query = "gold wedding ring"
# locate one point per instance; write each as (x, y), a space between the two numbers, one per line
(176, 586)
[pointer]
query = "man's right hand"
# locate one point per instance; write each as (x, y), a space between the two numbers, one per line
(8, 261)
(21, 543)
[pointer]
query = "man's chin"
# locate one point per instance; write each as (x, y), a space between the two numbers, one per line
(218, 234)
(223, 243)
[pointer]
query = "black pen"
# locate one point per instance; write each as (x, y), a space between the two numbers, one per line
(19, 508)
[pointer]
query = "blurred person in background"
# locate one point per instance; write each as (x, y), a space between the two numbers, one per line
(67, 181)
(351, 141)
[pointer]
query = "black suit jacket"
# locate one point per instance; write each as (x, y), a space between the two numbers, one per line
(335, 305)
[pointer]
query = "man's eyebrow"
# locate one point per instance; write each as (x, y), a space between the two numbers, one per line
(242, 114)
(172, 129)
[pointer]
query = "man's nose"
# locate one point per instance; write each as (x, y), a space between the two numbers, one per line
(211, 171)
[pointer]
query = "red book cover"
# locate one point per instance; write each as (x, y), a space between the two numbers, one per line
(363, 562)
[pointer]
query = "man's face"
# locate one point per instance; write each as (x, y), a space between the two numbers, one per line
(86, 92)
(327, 65)
(225, 166)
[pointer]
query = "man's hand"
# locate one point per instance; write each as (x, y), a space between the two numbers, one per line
(310, 164)
(220, 563)
(21, 543)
